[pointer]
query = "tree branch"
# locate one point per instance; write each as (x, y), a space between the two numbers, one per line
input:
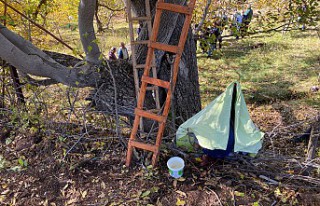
(109, 8)
(204, 16)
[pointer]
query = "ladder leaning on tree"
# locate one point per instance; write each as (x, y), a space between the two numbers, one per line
(146, 79)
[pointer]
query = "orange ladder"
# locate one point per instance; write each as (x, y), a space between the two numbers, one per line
(146, 79)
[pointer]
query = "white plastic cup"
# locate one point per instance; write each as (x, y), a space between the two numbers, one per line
(175, 165)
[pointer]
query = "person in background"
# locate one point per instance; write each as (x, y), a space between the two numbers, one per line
(221, 23)
(203, 36)
(215, 36)
(123, 52)
(112, 55)
(236, 24)
(302, 16)
(247, 17)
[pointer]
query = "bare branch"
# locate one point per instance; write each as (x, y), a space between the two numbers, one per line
(109, 8)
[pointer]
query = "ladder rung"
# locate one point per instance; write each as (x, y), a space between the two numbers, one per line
(174, 8)
(139, 42)
(165, 47)
(149, 147)
(152, 88)
(141, 66)
(140, 18)
(149, 115)
(154, 110)
(157, 82)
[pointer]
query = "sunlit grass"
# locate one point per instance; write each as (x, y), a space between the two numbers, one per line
(270, 67)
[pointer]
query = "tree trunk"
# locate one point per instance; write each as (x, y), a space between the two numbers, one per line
(187, 94)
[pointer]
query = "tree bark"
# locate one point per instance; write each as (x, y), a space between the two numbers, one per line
(87, 35)
(17, 85)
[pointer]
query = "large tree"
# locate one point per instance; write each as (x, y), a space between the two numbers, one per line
(110, 79)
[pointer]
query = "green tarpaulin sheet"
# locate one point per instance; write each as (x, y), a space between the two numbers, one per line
(211, 125)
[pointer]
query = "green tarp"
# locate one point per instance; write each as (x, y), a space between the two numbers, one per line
(211, 125)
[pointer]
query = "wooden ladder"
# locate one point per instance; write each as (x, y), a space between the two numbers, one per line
(135, 43)
(146, 79)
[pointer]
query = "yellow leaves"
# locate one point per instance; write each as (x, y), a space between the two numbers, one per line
(183, 194)
(103, 185)
(277, 192)
(2, 198)
(4, 186)
(83, 194)
(198, 159)
(180, 202)
(239, 194)
(155, 189)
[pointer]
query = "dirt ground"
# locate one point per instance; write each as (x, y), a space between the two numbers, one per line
(40, 170)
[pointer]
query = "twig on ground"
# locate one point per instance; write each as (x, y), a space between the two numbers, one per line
(271, 181)
(215, 195)
(80, 138)
(115, 104)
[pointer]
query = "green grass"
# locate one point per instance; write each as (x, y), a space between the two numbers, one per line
(282, 67)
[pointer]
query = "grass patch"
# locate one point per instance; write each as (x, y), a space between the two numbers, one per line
(273, 67)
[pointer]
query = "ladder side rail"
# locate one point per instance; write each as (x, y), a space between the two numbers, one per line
(154, 69)
(133, 51)
(183, 38)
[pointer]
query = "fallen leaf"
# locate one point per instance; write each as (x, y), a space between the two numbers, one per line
(238, 194)
(180, 202)
(155, 189)
(181, 193)
(103, 185)
(198, 159)
(181, 179)
(102, 195)
(174, 183)
(84, 194)
(145, 193)
(5, 192)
